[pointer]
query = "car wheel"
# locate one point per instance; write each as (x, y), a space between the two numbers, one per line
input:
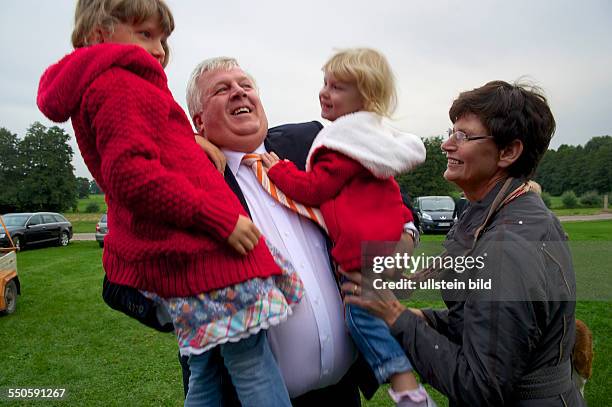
(64, 239)
(17, 243)
(10, 297)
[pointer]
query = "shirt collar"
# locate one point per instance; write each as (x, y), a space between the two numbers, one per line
(234, 158)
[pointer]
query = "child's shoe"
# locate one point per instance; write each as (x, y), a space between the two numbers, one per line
(412, 398)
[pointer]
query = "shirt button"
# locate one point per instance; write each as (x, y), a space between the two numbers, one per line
(273, 204)
(316, 301)
(326, 371)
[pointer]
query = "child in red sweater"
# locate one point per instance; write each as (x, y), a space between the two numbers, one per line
(349, 174)
(177, 232)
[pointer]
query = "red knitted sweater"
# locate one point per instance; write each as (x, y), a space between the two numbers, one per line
(357, 206)
(170, 211)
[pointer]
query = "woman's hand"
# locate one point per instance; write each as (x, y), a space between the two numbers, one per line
(269, 160)
(386, 306)
(214, 154)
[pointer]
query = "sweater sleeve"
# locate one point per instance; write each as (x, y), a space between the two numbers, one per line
(329, 173)
(126, 117)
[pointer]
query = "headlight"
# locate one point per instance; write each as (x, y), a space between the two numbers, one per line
(427, 216)
(2, 235)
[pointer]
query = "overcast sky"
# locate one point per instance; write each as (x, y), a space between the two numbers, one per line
(436, 48)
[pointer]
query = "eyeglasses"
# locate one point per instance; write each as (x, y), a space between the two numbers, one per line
(460, 137)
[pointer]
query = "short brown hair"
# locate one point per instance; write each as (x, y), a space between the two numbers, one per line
(371, 72)
(91, 14)
(511, 112)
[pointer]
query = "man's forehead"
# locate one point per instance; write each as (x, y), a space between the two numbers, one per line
(212, 78)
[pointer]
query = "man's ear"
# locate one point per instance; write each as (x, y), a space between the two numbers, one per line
(509, 154)
(199, 124)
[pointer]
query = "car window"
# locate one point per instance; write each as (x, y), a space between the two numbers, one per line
(15, 220)
(103, 218)
(438, 204)
(35, 220)
(48, 219)
(59, 218)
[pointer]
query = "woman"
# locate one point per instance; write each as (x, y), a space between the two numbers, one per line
(509, 345)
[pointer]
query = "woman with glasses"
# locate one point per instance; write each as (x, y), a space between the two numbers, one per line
(507, 343)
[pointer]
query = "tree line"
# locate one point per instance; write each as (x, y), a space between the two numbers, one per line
(36, 172)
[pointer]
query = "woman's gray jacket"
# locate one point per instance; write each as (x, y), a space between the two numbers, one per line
(487, 345)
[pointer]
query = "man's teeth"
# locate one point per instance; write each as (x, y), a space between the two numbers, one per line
(453, 161)
(240, 110)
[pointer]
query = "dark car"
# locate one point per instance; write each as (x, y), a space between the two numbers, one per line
(34, 228)
(101, 230)
(435, 213)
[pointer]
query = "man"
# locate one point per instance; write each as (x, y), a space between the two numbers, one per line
(312, 347)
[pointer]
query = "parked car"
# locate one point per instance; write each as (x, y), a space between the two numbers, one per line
(435, 213)
(101, 230)
(34, 228)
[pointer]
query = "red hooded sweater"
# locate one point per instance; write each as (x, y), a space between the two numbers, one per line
(170, 211)
(349, 174)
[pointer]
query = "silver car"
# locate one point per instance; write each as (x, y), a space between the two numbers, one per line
(101, 230)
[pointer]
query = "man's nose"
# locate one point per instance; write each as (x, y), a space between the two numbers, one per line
(238, 91)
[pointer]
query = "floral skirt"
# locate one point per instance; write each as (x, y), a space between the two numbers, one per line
(230, 314)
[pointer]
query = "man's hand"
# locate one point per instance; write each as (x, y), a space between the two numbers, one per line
(245, 236)
(214, 154)
(269, 160)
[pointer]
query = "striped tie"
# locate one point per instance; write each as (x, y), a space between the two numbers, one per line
(253, 161)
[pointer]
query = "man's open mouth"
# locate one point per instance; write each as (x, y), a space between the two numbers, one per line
(241, 110)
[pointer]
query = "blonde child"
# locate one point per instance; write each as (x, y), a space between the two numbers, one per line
(177, 232)
(349, 174)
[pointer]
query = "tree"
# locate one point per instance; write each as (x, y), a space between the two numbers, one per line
(10, 176)
(45, 159)
(82, 187)
(427, 179)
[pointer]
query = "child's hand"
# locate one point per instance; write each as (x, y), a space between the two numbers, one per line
(214, 154)
(245, 236)
(269, 160)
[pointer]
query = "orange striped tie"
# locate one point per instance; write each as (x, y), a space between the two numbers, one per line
(254, 162)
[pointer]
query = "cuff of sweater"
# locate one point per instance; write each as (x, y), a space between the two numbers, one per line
(217, 219)
(282, 167)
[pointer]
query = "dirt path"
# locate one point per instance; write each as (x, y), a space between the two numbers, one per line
(601, 216)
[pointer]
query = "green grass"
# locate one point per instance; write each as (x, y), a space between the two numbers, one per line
(83, 222)
(63, 335)
(560, 210)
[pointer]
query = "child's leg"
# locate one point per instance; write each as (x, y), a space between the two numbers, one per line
(254, 372)
(204, 382)
(386, 357)
(382, 352)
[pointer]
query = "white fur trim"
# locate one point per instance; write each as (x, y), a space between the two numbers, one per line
(364, 137)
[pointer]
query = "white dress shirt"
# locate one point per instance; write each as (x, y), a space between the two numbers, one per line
(313, 347)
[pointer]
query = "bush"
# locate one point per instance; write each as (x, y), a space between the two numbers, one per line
(92, 207)
(569, 199)
(546, 198)
(591, 199)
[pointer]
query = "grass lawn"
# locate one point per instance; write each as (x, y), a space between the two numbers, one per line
(83, 222)
(63, 336)
(560, 210)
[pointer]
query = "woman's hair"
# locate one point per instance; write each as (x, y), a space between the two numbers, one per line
(511, 112)
(93, 14)
(370, 71)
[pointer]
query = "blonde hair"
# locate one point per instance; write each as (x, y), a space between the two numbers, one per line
(93, 14)
(371, 72)
(194, 93)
